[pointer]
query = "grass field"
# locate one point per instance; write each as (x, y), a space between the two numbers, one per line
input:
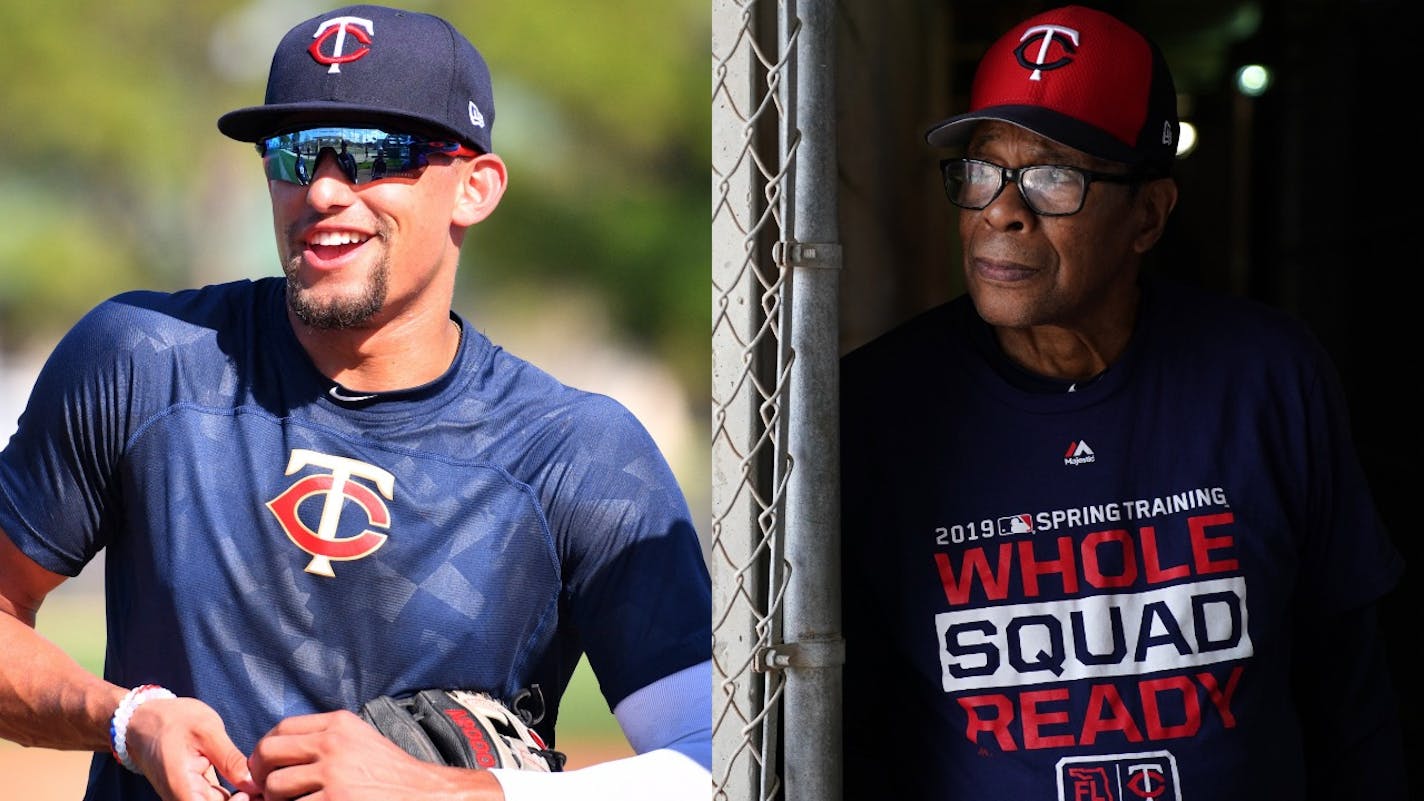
(588, 732)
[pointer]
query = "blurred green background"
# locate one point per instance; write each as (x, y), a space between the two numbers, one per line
(113, 176)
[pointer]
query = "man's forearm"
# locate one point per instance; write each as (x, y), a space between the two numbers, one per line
(46, 699)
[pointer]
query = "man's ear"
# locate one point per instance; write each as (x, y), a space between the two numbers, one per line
(1154, 204)
(485, 177)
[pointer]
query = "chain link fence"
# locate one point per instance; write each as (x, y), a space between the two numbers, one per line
(777, 650)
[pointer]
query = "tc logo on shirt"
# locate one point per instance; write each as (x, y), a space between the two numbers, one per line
(1119, 777)
(335, 487)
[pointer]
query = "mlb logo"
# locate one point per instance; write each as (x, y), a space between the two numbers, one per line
(1016, 524)
(1119, 777)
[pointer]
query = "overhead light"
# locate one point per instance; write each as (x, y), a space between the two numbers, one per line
(1253, 80)
(1186, 139)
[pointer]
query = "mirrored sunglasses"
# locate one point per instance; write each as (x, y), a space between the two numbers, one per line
(362, 154)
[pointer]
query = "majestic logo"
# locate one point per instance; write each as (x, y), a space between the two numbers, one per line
(1046, 35)
(338, 27)
(335, 488)
(1079, 453)
(1119, 777)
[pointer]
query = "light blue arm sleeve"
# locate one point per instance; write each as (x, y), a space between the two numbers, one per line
(674, 712)
(669, 725)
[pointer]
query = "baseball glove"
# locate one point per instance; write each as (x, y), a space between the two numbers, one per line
(462, 729)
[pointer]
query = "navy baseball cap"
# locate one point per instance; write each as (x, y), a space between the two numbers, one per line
(375, 66)
(1080, 77)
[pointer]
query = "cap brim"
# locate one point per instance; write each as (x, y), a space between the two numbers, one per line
(955, 131)
(255, 123)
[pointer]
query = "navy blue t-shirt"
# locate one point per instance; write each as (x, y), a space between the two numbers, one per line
(274, 551)
(1100, 591)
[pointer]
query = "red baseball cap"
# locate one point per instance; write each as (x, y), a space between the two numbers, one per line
(1080, 77)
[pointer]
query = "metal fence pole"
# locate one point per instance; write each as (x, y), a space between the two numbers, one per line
(814, 650)
(775, 527)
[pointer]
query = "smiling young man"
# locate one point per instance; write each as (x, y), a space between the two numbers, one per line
(1117, 542)
(316, 491)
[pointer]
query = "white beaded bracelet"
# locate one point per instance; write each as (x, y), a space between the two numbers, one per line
(119, 725)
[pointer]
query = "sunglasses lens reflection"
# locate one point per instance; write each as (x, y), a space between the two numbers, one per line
(361, 154)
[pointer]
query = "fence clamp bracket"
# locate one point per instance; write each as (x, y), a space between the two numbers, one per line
(822, 255)
(822, 653)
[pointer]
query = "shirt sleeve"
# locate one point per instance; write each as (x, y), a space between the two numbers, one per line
(1352, 561)
(638, 588)
(58, 473)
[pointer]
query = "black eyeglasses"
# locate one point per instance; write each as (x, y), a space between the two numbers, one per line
(1049, 190)
(362, 154)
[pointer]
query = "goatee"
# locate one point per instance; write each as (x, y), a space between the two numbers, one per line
(336, 313)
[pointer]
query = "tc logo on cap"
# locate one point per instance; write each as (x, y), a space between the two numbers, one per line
(1046, 34)
(338, 28)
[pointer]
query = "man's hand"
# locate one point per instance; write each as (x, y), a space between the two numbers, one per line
(336, 756)
(181, 745)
